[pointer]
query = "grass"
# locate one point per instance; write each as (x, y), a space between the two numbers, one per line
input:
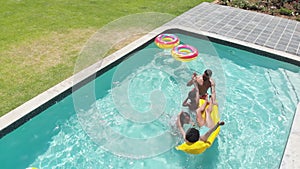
(40, 40)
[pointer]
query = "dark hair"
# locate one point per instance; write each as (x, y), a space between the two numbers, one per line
(208, 72)
(192, 135)
(182, 117)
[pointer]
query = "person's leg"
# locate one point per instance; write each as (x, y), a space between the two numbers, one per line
(202, 107)
(209, 122)
(208, 133)
(199, 118)
(201, 122)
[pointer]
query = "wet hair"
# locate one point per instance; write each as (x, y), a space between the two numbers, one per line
(208, 72)
(182, 117)
(192, 135)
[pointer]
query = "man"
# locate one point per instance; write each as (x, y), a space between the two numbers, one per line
(204, 82)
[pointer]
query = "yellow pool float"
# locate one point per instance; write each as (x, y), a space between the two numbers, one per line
(200, 146)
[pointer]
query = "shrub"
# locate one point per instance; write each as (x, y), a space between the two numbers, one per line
(253, 7)
(224, 2)
(285, 11)
(264, 9)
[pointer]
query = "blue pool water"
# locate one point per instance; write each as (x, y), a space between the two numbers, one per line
(125, 117)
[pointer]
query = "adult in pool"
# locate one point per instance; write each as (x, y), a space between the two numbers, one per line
(192, 102)
(204, 82)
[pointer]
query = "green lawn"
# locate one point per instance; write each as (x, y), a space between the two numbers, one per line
(41, 40)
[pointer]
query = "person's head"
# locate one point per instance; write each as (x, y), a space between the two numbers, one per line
(192, 135)
(184, 118)
(207, 74)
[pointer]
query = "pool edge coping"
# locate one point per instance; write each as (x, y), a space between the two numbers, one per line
(290, 152)
(41, 99)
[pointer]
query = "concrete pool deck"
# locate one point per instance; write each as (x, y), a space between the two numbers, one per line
(265, 30)
(258, 31)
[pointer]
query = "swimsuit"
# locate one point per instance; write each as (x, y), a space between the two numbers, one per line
(204, 96)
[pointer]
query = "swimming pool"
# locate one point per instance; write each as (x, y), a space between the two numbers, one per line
(105, 123)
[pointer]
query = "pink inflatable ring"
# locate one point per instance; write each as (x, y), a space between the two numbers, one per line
(184, 53)
(166, 41)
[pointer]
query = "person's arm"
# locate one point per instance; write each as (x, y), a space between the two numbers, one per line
(185, 102)
(213, 91)
(179, 125)
(210, 131)
(189, 83)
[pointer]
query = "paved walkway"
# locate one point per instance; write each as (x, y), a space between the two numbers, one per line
(261, 29)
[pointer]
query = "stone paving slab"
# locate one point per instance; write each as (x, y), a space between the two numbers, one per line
(249, 26)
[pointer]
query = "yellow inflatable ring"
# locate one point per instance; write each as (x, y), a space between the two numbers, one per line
(184, 53)
(200, 146)
(166, 41)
